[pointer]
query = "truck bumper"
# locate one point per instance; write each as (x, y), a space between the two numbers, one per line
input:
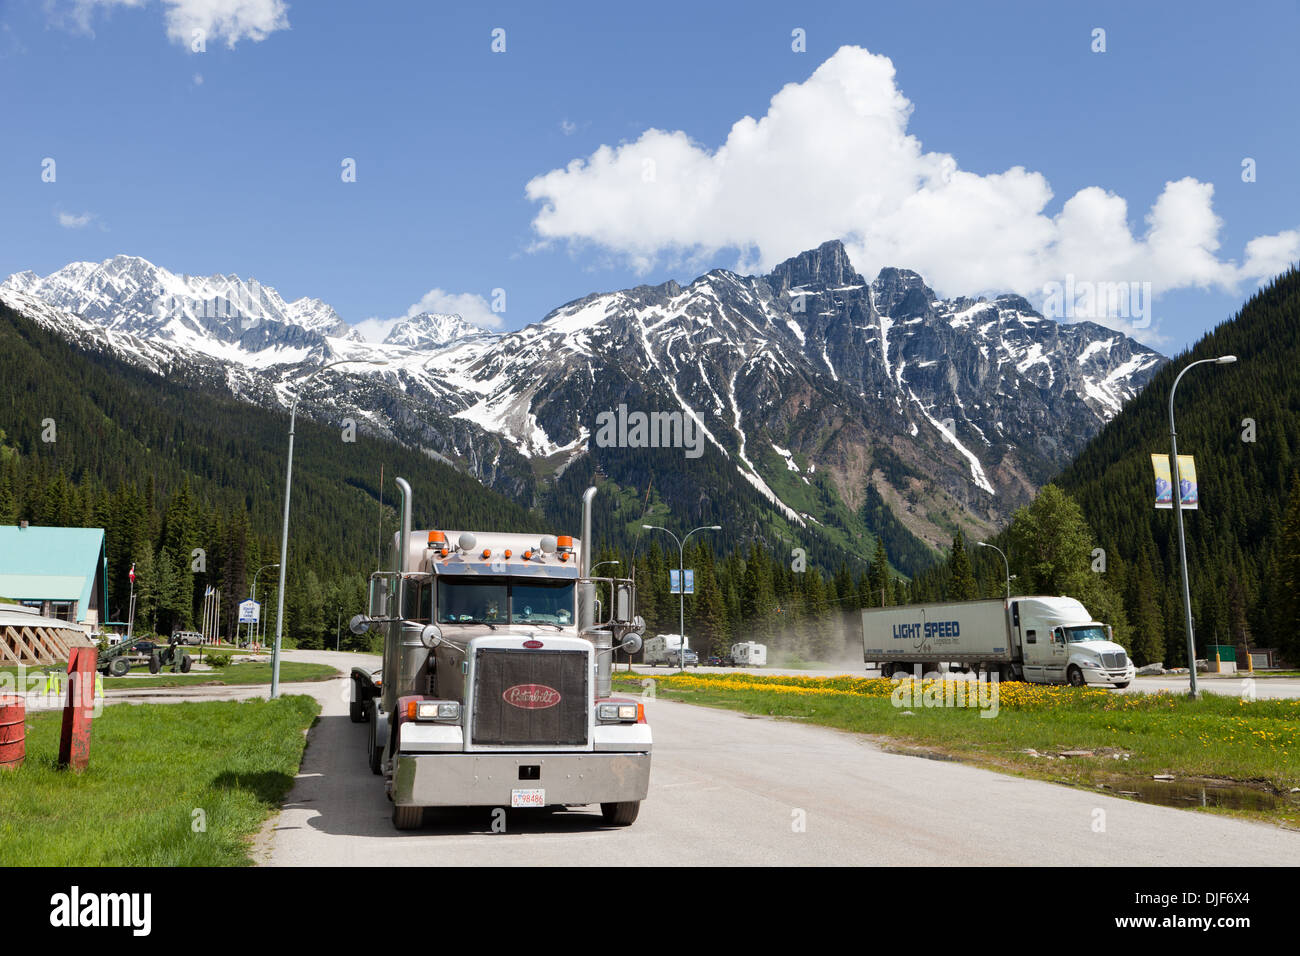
(487, 780)
(1101, 676)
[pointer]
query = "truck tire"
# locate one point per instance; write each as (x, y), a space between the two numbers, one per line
(1120, 685)
(1075, 676)
(374, 751)
(357, 712)
(119, 667)
(620, 814)
(408, 818)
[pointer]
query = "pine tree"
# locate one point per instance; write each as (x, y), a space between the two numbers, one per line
(962, 587)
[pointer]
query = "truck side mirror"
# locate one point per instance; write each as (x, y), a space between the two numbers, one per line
(623, 602)
(378, 596)
(359, 624)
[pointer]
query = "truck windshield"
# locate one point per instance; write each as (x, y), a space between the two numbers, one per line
(1093, 632)
(494, 601)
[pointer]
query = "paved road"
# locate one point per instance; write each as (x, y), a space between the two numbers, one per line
(730, 789)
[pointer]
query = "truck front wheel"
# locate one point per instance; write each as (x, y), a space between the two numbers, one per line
(1075, 676)
(620, 814)
(408, 818)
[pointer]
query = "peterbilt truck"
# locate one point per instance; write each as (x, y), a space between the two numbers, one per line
(1043, 640)
(495, 686)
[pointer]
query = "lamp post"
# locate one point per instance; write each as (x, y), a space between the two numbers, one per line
(1178, 514)
(985, 544)
(681, 580)
(284, 532)
(253, 595)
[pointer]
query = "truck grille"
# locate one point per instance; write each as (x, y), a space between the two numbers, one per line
(1114, 662)
(530, 697)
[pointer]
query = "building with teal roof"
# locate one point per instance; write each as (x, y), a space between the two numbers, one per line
(61, 571)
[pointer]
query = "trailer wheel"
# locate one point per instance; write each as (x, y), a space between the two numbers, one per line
(1075, 676)
(620, 814)
(155, 663)
(119, 667)
(186, 663)
(408, 818)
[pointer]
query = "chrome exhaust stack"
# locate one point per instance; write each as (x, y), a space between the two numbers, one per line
(602, 638)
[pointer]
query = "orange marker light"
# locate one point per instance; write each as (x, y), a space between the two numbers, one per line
(507, 552)
(487, 553)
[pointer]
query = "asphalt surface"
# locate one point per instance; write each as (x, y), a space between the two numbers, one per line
(730, 789)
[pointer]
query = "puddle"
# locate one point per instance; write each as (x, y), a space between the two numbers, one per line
(1188, 793)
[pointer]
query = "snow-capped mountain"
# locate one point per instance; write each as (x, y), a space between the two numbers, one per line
(433, 330)
(201, 313)
(824, 397)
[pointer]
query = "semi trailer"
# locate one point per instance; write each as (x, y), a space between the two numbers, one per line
(495, 686)
(1041, 639)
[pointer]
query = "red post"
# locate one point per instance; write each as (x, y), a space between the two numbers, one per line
(74, 743)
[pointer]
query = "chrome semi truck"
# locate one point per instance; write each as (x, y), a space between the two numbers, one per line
(1041, 639)
(495, 686)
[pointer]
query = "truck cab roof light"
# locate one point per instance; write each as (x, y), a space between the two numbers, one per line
(487, 553)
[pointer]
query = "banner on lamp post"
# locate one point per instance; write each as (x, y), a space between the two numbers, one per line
(1189, 493)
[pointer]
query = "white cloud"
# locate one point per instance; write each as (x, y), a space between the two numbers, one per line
(72, 221)
(228, 20)
(474, 309)
(832, 158)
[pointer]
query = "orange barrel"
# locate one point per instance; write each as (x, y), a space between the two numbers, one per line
(13, 731)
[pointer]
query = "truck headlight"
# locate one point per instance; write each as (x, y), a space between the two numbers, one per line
(437, 710)
(1096, 664)
(618, 711)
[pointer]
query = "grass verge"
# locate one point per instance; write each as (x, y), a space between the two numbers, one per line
(167, 785)
(1130, 736)
(141, 679)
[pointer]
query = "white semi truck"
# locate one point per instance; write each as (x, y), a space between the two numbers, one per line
(495, 687)
(1044, 640)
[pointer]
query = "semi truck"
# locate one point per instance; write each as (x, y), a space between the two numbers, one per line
(1040, 639)
(495, 686)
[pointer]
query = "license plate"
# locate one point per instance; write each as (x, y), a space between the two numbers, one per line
(527, 798)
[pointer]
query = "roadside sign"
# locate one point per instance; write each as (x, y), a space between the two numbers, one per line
(1188, 496)
(674, 582)
(249, 612)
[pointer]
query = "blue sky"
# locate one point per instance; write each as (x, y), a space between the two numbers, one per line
(229, 160)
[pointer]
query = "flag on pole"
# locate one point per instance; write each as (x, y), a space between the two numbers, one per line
(131, 574)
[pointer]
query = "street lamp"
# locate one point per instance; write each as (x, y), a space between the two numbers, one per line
(254, 594)
(1178, 513)
(681, 580)
(985, 544)
(284, 533)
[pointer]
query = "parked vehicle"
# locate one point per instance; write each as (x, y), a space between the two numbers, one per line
(749, 654)
(673, 658)
(496, 683)
(1039, 639)
(663, 648)
(189, 638)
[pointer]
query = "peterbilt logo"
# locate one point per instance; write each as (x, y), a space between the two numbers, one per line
(531, 696)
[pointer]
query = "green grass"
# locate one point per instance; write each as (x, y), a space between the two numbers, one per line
(232, 675)
(151, 768)
(1216, 737)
